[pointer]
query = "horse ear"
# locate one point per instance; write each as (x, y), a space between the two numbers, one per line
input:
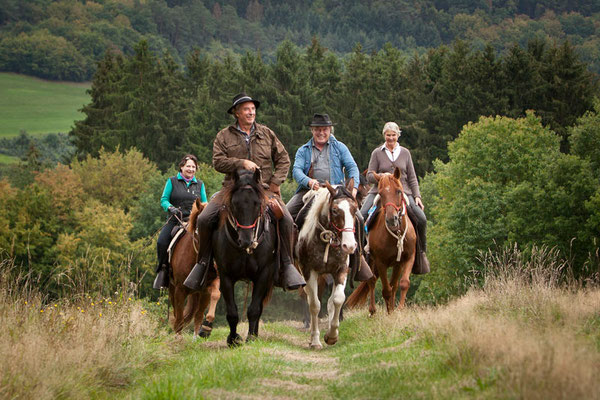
(236, 175)
(350, 185)
(330, 188)
(257, 175)
(397, 173)
(375, 175)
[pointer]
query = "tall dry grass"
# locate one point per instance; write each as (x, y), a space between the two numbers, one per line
(530, 331)
(71, 348)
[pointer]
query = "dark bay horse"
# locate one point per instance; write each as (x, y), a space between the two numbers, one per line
(325, 243)
(392, 242)
(244, 249)
(183, 258)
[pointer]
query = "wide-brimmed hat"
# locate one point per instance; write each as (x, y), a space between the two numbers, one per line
(242, 98)
(321, 120)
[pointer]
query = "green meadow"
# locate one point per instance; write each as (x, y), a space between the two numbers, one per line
(38, 106)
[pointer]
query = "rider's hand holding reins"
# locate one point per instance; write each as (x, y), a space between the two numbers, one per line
(249, 165)
(275, 189)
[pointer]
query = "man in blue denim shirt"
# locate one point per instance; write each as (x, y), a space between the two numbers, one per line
(327, 157)
(324, 158)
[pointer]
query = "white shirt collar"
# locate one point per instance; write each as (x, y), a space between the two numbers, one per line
(392, 155)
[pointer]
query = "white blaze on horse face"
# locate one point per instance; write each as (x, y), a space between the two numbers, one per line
(348, 241)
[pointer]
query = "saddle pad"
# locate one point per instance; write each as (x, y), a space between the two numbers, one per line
(174, 241)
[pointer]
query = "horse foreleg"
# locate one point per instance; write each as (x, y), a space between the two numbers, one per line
(215, 295)
(386, 290)
(314, 305)
(203, 297)
(178, 301)
(334, 307)
(405, 281)
(394, 281)
(227, 288)
(260, 288)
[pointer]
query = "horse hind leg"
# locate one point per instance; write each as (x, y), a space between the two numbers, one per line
(314, 305)
(334, 307)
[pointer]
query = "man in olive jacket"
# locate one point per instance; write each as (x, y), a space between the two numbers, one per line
(249, 145)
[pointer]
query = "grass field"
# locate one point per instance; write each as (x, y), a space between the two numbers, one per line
(518, 337)
(38, 106)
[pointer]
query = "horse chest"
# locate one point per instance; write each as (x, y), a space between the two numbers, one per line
(311, 254)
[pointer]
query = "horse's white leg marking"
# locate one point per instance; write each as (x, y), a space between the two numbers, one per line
(348, 240)
(314, 305)
(334, 306)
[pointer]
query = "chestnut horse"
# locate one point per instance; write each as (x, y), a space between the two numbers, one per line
(183, 258)
(325, 243)
(392, 242)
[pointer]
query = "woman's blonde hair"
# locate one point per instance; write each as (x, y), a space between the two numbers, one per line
(391, 126)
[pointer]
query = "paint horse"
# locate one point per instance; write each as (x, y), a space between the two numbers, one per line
(182, 260)
(244, 248)
(392, 242)
(325, 243)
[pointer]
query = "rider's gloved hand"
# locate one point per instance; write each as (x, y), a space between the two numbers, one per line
(174, 210)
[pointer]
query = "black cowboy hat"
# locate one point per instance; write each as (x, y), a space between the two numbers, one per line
(321, 120)
(242, 98)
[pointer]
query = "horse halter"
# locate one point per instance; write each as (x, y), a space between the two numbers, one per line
(399, 239)
(330, 237)
(255, 226)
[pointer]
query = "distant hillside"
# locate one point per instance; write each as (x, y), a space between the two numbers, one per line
(37, 106)
(65, 39)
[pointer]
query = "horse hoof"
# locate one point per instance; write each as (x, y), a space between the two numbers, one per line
(316, 347)
(205, 329)
(234, 341)
(251, 338)
(330, 341)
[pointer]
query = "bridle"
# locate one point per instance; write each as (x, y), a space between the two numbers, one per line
(255, 226)
(399, 238)
(330, 237)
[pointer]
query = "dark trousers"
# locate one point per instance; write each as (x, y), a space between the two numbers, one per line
(419, 220)
(164, 239)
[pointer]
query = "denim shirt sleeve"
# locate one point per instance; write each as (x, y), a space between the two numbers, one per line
(298, 171)
(166, 195)
(349, 163)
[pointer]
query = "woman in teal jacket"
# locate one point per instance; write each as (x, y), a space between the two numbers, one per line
(179, 195)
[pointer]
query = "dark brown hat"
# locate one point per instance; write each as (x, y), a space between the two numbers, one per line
(242, 98)
(321, 120)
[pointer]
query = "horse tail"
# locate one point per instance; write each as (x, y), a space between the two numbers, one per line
(359, 296)
(190, 308)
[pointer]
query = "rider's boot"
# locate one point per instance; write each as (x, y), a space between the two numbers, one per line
(196, 279)
(162, 278)
(289, 276)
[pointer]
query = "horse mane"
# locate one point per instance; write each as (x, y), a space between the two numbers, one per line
(319, 207)
(197, 208)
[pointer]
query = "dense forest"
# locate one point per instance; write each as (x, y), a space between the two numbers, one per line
(65, 39)
(152, 104)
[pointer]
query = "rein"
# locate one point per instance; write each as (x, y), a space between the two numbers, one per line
(399, 239)
(328, 236)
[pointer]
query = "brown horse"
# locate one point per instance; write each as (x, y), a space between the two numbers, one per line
(183, 258)
(392, 242)
(324, 246)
